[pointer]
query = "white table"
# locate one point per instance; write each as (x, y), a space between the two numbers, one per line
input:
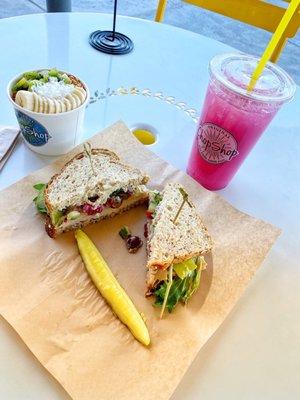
(256, 352)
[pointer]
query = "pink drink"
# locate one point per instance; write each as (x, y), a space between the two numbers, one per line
(232, 120)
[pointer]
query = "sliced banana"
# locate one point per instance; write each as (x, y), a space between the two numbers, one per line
(19, 98)
(63, 107)
(25, 99)
(72, 100)
(77, 99)
(67, 104)
(36, 102)
(80, 92)
(57, 106)
(41, 104)
(51, 106)
(46, 105)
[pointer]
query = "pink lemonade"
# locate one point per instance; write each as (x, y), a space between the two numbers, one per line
(232, 119)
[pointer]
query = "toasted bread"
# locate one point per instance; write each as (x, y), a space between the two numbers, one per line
(76, 182)
(172, 242)
(86, 189)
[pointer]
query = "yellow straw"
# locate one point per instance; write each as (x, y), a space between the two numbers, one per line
(292, 8)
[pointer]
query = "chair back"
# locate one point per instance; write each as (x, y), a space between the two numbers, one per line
(258, 13)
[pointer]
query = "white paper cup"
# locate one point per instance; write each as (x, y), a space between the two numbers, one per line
(50, 134)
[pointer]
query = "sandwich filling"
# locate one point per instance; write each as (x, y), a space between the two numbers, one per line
(179, 281)
(92, 209)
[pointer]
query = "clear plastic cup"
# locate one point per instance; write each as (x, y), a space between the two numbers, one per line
(233, 119)
(50, 134)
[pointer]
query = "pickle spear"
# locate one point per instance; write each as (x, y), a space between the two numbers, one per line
(110, 288)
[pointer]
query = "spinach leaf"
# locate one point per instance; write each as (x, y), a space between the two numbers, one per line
(181, 290)
(157, 198)
(39, 186)
(39, 200)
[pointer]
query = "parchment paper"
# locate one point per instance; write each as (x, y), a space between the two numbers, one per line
(48, 298)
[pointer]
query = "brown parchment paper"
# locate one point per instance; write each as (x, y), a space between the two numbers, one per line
(48, 298)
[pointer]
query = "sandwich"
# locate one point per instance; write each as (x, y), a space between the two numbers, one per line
(93, 185)
(177, 241)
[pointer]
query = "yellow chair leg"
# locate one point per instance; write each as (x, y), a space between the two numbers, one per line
(160, 12)
(278, 49)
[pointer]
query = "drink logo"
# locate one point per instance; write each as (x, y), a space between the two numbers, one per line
(215, 144)
(33, 132)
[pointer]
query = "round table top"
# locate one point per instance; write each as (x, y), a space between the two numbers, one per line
(255, 353)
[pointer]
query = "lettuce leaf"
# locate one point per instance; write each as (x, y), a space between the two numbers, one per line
(155, 197)
(181, 290)
(39, 200)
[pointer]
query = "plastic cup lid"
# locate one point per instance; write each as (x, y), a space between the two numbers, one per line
(234, 71)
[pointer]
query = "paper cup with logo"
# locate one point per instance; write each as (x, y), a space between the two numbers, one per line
(232, 119)
(50, 134)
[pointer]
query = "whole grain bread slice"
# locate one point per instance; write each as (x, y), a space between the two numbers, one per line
(169, 242)
(88, 176)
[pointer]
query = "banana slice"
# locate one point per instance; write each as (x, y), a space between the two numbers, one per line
(36, 102)
(63, 107)
(41, 104)
(51, 106)
(19, 98)
(67, 104)
(25, 99)
(72, 100)
(77, 99)
(57, 106)
(45, 105)
(81, 93)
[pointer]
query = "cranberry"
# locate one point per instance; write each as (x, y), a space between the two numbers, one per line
(133, 243)
(158, 266)
(91, 210)
(50, 228)
(114, 202)
(149, 214)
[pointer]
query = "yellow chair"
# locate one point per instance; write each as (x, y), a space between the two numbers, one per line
(257, 13)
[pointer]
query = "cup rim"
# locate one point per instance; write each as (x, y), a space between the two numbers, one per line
(215, 72)
(17, 106)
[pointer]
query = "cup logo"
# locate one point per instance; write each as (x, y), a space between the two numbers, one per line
(215, 144)
(33, 132)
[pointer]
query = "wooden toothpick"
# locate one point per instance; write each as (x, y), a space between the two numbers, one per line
(88, 151)
(185, 198)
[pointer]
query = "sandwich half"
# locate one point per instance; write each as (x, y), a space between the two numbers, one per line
(177, 240)
(92, 186)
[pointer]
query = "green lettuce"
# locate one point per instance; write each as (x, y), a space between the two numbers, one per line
(181, 289)
(155, 198)
(39, 200)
